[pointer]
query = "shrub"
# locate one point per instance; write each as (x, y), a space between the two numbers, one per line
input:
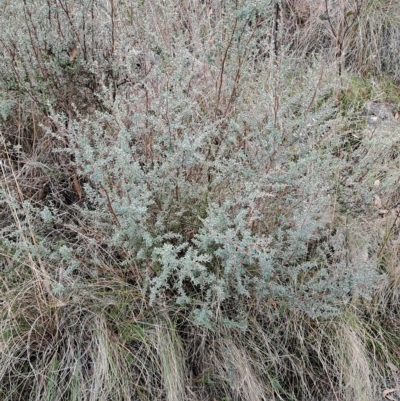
(171, 172)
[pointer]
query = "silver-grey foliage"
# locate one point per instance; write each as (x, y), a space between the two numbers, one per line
(217, 172)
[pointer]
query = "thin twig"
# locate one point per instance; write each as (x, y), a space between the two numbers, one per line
(109, 206)
(388, 234)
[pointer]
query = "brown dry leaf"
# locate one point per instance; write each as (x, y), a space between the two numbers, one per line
(73, 52)
(397, 115)
(77, 186)
(385, 394)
